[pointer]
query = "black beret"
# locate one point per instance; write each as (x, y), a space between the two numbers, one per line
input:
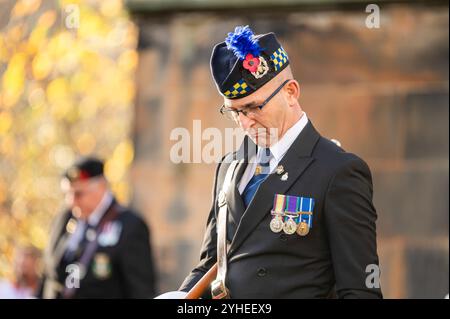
(244, 62)
(84, 168)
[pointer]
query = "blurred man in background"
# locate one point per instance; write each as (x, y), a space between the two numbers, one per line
(26, 275)
(97, 249)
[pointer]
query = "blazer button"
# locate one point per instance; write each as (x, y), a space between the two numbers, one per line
(283, 237)
(262, 272)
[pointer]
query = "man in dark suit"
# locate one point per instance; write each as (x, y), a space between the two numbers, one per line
(300, 220)
(98, 248)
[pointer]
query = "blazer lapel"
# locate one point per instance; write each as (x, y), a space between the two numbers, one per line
(296, 160)
(235, 203)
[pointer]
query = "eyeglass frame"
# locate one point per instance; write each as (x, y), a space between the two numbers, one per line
(236, 112)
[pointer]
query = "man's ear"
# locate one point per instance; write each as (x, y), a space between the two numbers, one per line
(293, 92)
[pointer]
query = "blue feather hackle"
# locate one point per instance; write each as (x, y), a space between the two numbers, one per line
(242, 41)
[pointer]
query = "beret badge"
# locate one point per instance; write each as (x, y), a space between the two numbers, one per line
(75, 173)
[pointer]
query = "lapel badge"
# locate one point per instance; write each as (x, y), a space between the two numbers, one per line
(279, 170)
(335, 141)
(71, 226)
(101, 266)
(284, 177)
(110, 234)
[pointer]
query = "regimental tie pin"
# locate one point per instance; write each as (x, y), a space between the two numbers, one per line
(258, 170)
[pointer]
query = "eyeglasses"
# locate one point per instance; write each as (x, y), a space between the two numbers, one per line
(233, 114)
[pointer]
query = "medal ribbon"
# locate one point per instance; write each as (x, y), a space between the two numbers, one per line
(291, 206)
(278, 203)
(306, 206)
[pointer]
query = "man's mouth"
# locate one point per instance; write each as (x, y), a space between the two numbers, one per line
(256, 132)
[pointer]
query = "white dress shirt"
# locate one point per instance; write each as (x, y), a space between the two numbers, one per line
(278, 150)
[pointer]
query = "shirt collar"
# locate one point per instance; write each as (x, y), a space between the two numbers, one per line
(280, 148)
(99, 211)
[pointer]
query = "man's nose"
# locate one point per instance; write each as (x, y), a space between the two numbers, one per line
(245, 121)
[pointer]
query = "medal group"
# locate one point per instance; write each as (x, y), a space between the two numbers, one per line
(292, 214)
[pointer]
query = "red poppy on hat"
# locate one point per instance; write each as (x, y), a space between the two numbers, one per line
(83, 175)
(251, 63)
